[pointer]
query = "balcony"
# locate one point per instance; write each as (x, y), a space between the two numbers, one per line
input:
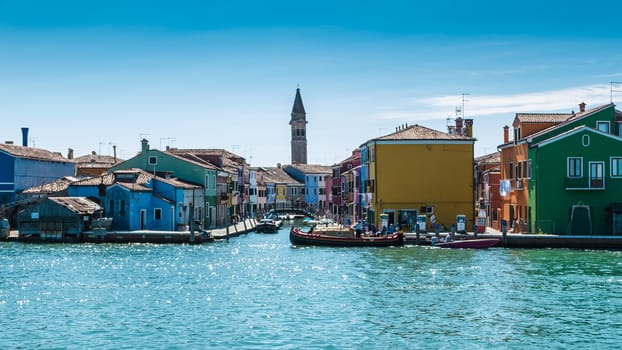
(584, 183)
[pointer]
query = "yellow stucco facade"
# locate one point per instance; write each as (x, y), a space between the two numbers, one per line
(416, 177)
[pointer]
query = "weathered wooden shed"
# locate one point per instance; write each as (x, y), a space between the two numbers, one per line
(55, 218)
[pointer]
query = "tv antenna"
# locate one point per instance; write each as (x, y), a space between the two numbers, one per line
(611, 90)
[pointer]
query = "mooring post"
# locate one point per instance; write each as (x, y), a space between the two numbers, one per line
(504, 233)
(417, 232)
(453, 231)
(475, 231)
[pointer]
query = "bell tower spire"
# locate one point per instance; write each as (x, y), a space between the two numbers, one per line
(299, 130)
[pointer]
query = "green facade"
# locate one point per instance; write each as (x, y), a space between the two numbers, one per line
(153, 160)
(595, 196)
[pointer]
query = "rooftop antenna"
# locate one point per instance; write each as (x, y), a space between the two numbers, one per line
(464, 94)
(141, 135)
(169, 141)
(611, 90)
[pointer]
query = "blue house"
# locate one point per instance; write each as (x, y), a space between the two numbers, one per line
(137, 200)
(314, 179)
(23, 167)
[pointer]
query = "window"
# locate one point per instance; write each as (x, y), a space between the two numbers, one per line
(519, 170)
(597, 179)
(575, 167)
(511, 170)
(153, 160)
(528, 169)
(157, 214)
(616, 167)
(603, 126)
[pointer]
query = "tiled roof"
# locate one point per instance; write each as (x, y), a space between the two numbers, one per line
(192, 158)
(490, 158)
(571, 119)
(134, 186)
(78, 205)
(52, 187)
(32, 153)
(218, 152)
(542, 117)
(96, 161)
(555, 118)
(418, 132)
(278, 175)
(312, 168)
(141, 178)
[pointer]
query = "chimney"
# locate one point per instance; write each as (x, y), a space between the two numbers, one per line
(459, 126)
(506, 134)
(70, 153)
(581, 107)
(278, 165)
(25, 137)
(114, 152)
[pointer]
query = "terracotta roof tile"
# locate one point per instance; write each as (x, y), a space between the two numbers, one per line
(418, 132)
(32, 153)
(278, 175)
(313, 168)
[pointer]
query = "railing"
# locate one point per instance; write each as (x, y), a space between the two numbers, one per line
(584, 183)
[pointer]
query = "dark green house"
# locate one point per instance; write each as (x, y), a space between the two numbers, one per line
(576, 182)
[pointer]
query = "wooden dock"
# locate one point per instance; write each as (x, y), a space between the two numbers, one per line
(143, 236)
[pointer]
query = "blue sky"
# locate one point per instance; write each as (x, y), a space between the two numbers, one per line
(206, 74)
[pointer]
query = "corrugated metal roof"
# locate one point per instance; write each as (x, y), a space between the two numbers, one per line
(78, 205)
(33, 153)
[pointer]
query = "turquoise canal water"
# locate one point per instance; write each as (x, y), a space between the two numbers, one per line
(258, 292)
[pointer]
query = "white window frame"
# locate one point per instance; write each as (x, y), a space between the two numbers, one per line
(613, 168)
(580, 175)
(600, 123)
(603, 173)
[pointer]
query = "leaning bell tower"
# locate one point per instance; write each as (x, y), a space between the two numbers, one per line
(299, 131)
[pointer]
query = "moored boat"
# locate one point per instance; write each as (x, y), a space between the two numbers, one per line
(341, 238)
(267, 226)
(470, 243)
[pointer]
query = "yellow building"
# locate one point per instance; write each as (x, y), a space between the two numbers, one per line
(419, 171)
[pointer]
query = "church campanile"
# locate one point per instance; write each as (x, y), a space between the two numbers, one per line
(299, 131)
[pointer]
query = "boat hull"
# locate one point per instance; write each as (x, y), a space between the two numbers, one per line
(266, 228)
(299, 237)
(470, 243)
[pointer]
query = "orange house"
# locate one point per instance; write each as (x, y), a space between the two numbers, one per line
(515, 166)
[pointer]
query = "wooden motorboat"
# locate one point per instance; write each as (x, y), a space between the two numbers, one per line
(341, 238)
(267, 226)
(469, 243)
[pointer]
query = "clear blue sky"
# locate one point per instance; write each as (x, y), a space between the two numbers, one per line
(223, 74)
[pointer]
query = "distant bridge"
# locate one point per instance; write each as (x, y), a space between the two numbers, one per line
(297, 211)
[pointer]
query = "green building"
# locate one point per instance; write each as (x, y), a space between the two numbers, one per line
(576, 182)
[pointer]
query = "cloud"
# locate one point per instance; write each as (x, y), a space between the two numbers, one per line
(440, 107)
